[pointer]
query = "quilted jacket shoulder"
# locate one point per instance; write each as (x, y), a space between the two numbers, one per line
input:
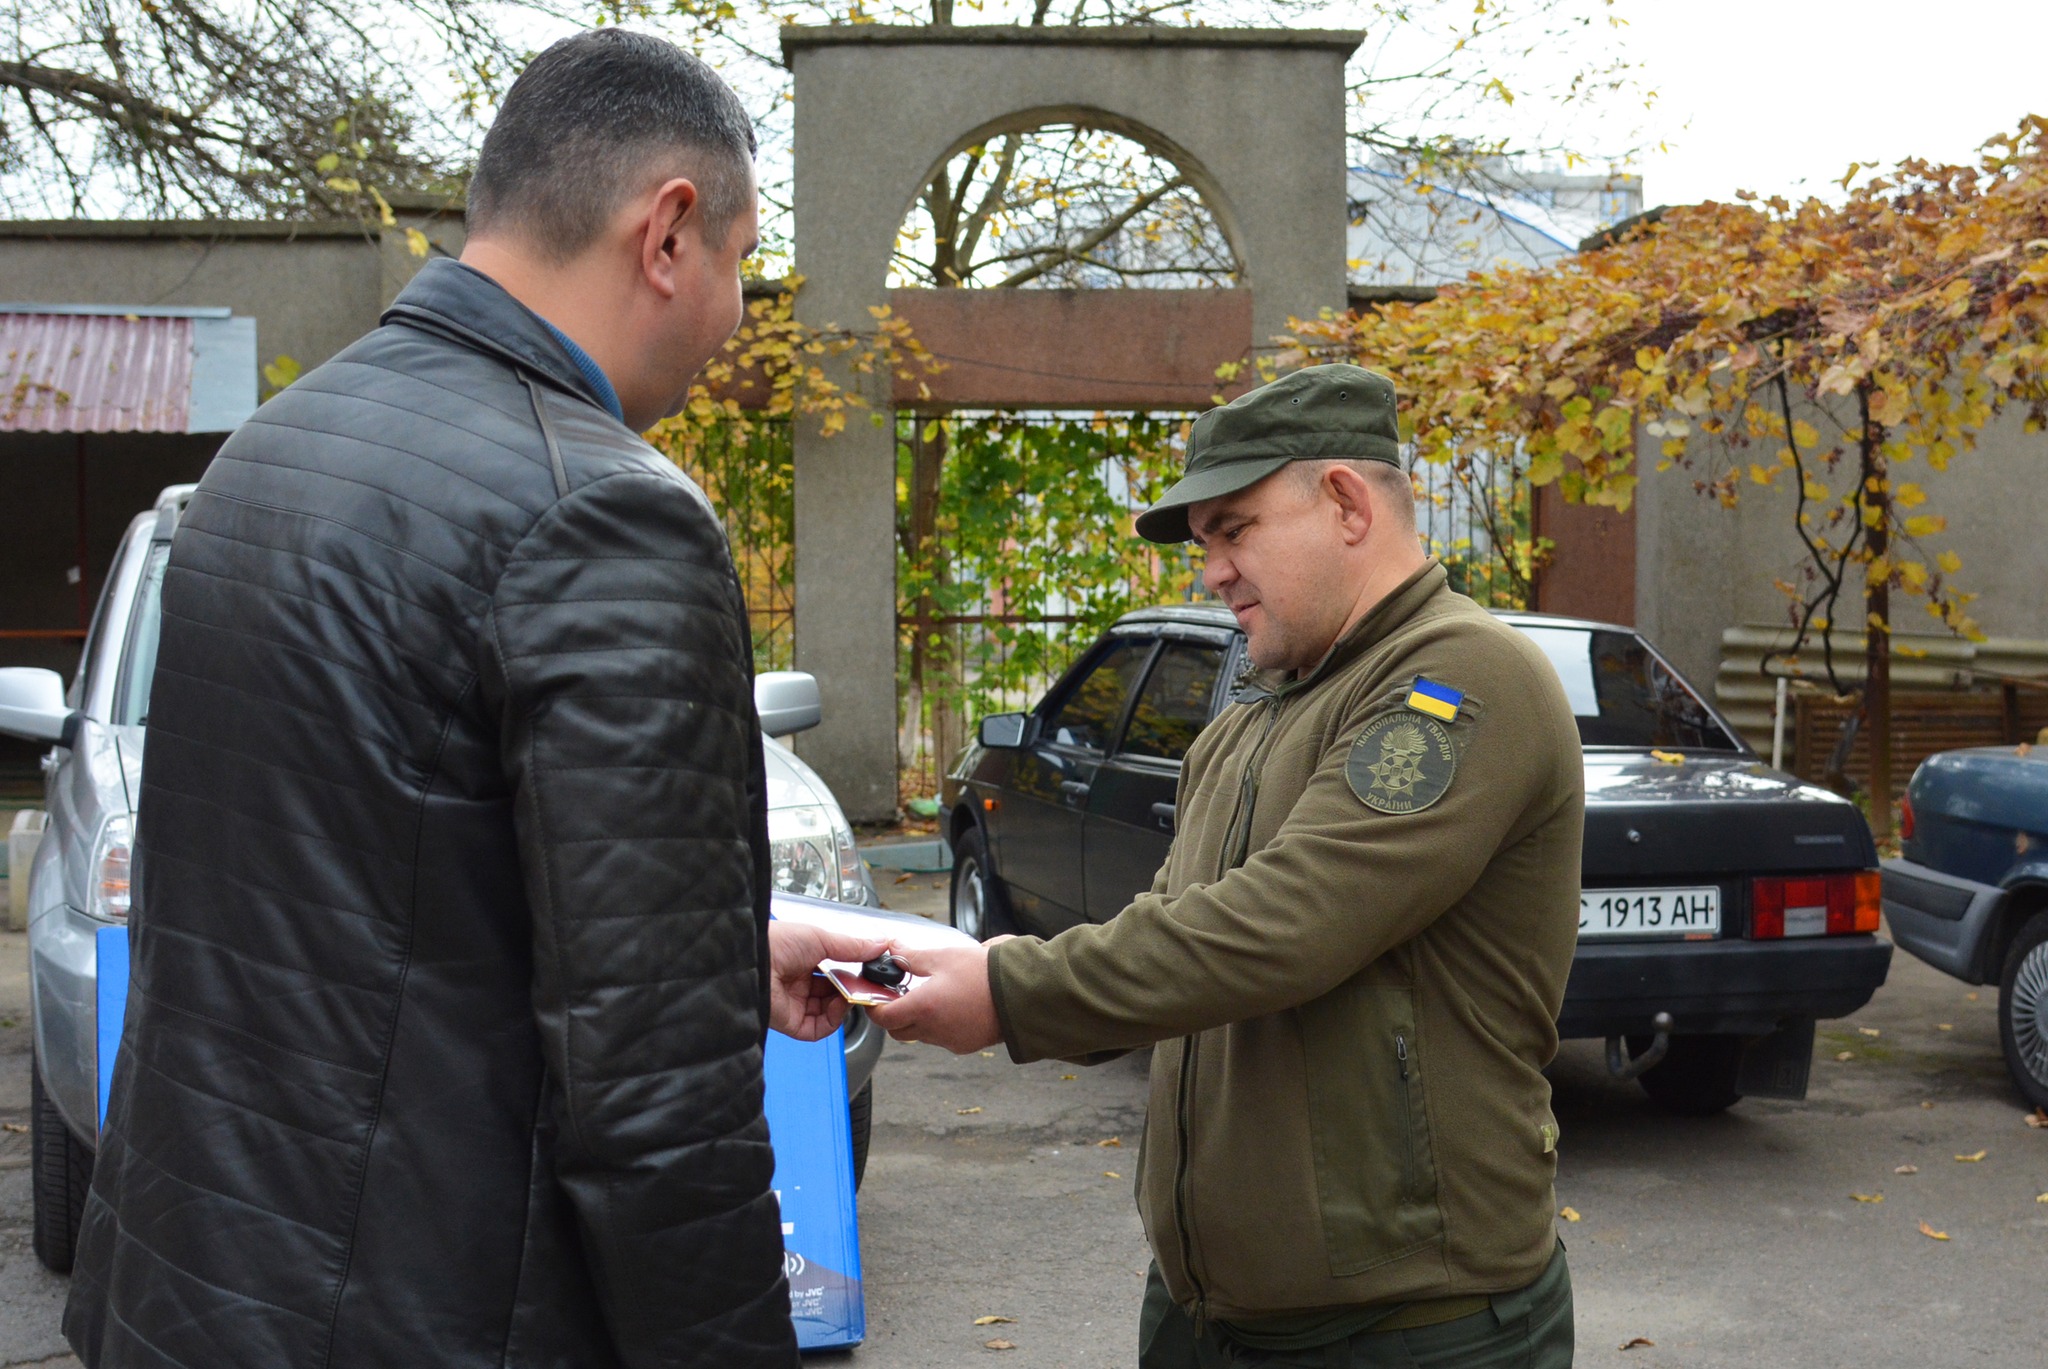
(446, 1020)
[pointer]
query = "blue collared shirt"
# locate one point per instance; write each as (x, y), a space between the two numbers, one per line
(592, 372)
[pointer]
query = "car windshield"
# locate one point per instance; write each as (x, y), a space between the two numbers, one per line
(1623, 695)
(138, 657)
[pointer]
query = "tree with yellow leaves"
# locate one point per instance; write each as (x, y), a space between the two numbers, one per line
(1903, 319)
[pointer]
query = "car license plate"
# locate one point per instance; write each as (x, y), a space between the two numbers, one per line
(1694, 912)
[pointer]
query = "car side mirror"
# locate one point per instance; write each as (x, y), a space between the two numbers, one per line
(32, 706)
(1005, 731)
(787, 701)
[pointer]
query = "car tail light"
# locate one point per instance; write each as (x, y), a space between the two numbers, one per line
(1906, 818)
(113, 861)
(1814, 905)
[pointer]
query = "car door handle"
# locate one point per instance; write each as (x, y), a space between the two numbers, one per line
(1074, 789)
(1165, 813)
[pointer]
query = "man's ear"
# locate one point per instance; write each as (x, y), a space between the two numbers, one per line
(668, 233)
(1352, 493)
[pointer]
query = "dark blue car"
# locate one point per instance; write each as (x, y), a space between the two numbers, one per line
(1970, 894)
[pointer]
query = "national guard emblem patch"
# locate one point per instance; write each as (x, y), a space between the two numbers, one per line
(1402, 762)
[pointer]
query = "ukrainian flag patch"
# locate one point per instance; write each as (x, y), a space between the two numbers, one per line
(1436, 700)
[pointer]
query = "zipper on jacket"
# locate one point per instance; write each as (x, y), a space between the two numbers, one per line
(1236, 849)
(1180, 1181)
(1238, 846)
(1407, 1114)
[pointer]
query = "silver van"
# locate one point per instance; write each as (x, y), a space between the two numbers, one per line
(79, 879)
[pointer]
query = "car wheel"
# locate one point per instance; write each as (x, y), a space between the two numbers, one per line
(2023, 1010)
(1697, 1077)
(979, 905)
(62, 1174)
(862, 1112)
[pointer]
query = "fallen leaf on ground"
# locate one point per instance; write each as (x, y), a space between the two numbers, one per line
(2038, 1118)
(1972, 1159)
(1633, 1341)
(1972, 997)
(988, 1055)
(965, 1112)
(1929, 1106)
(1570, 1214)
(16, 1127)
(2043, 1198)
(903, 879)
(1868, 1197)
(1845, 1055)
(1112, 1141)
(1944, 1026)
(992, 1321)
(998, 1345)
(1065, 1077)
(1869, 1031)
(1931, 1234)
(1111, 1174)
(1907, 1169)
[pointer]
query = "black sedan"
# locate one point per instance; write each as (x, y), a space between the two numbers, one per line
(1726, 906)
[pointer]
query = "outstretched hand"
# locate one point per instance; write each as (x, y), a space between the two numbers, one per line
(800, 1003)
(950, 1006)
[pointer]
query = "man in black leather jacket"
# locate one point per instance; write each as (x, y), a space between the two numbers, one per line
(451, 964)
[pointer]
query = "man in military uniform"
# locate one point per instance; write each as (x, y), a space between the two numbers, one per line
(1353, 958)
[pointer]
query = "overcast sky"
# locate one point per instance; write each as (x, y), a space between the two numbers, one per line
(1781, 95)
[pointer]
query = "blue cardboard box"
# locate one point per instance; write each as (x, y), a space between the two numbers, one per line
(112, 989)
(806, 1106)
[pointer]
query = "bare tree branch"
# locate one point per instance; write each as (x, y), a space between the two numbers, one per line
(1093, 239)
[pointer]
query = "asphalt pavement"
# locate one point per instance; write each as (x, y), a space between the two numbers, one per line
(1729, 1241)
(31, 1298)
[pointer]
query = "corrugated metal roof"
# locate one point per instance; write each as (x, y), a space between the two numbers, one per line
(95, 373)
(1747, 697)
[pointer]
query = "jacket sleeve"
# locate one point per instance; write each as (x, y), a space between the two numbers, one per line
(619, 668)
(1338, 886)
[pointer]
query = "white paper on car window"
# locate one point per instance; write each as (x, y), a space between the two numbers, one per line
(1570, 650)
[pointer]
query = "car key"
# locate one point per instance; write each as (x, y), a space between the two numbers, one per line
(886, 970)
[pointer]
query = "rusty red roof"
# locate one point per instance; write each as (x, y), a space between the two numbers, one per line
(95, 373)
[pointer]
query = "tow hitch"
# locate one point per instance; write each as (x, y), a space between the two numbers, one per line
(1621, 1067)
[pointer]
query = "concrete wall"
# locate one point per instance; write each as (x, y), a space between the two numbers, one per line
(1701, 568)
(312, 288)
(1254, 119)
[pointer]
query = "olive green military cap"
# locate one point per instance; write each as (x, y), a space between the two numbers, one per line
(1319, 413)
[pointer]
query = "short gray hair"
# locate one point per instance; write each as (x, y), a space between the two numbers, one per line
(587, 119)
(1395, 485)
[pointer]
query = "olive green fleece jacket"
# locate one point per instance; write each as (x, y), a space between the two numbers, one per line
(1354, 1005)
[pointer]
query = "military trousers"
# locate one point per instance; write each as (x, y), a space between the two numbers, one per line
(1527, 1329)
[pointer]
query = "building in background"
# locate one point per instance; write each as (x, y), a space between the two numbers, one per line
(101, 405)
(1408, 231)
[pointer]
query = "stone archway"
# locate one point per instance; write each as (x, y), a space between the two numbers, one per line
(1253, 117)
(1189, 166)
